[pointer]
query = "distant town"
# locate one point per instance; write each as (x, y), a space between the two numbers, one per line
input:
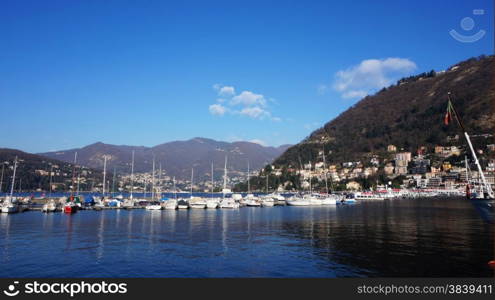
(442, 166)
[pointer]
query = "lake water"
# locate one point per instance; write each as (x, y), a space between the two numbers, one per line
(392, 238)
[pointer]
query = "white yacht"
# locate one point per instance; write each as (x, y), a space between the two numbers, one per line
(267, 201)
(313, 200)
(154, 206)
(128, 203)
(228, 203)
(9, 207)
(197, 202)
(170, 204)
(212, 203)
(252, 200)
(50, 206)
(298, 201)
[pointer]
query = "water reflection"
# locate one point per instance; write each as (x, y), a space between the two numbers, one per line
(402, 238)
(408, 238)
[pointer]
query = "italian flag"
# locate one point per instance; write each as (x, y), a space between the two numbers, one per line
(448, 114)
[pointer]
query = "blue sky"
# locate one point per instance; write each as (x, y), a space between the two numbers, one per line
(147, 72)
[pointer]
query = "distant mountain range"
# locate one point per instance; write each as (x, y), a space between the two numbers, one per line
(408, 114)
(33, 172)
(176, 158)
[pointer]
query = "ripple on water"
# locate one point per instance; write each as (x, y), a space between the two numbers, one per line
(408, 238)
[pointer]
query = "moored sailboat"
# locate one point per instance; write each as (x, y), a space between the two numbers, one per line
(8, 205)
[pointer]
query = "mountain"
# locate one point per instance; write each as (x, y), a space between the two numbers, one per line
(33, 172)
(408, 114)
(177, 157)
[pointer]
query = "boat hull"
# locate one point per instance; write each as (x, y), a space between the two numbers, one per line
(9, 209)
(70, 209)
(298, 203)
(154, 207)
(328, 201)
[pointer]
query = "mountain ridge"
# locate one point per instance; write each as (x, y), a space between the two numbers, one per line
(408, 114)
(176, 157)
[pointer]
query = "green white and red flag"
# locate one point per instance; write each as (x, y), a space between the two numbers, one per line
(448, 115)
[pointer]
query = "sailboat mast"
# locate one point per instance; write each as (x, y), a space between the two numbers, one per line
(267, 174)
(192, 178)
(248, 180)
(225, 177)
(132, 173)
(13, 179)
(144, 187)
(51, 177)
(153, 180)
(78, 180)
(104, 173)
(160, 180)
(212, 187)
(113, 181)
(310, 179)
(175, 190)
(73, 175)
(1, 179)
(325, 171)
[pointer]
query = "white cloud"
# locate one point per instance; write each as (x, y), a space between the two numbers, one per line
(371, 75)
(226, 91)
(254, 112)
(246, 103)
(247, 98)
(217, 109)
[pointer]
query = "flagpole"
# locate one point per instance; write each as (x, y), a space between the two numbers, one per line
(485, 184)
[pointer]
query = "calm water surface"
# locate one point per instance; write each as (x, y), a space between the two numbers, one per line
(415, 238)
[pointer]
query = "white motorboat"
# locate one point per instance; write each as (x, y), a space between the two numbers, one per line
(154, 206)
(197, 202)
(228, 203)
(253, 203)
(252, 200)
(267, 202)
(9, 207)
(277, 197)
(170, 204)
(128, 203)
(212, 203)
(50, 206)
(297, 201)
